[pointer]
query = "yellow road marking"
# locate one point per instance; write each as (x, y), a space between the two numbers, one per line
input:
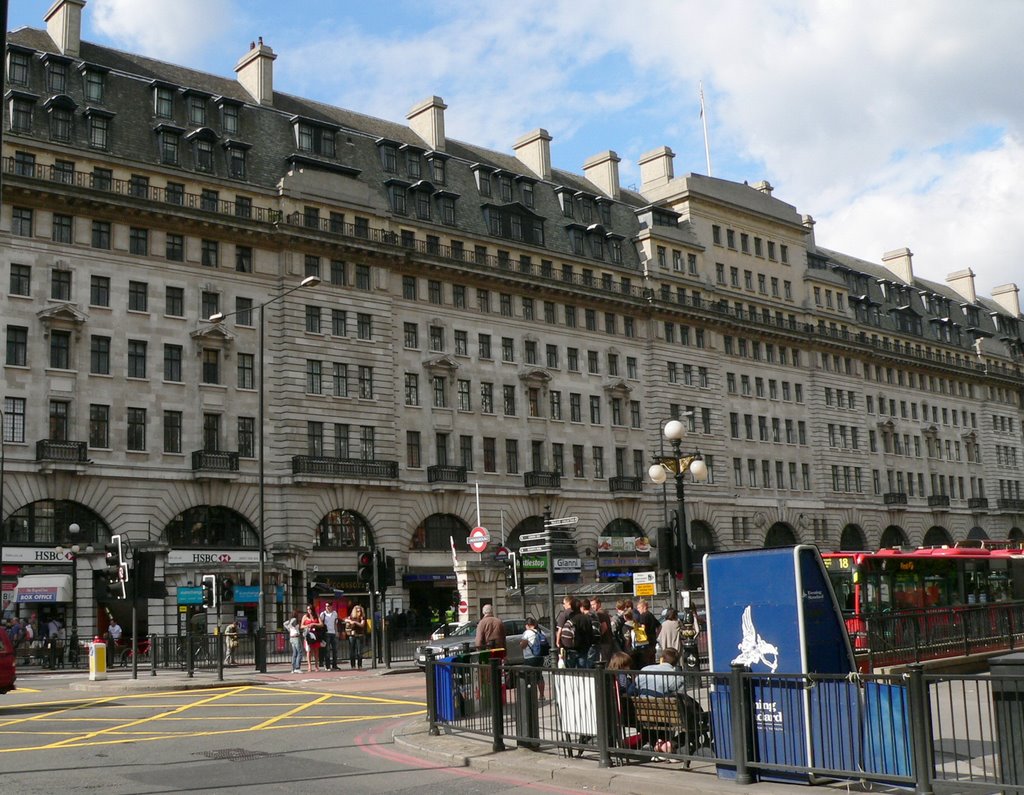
(146, 729)
(140, 721)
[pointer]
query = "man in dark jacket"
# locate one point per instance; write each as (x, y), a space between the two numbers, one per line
(490, 632)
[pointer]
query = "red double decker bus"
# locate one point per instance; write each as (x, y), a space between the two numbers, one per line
(895, 581)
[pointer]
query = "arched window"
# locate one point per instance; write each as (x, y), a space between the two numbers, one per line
(531, 524)
(1016, 534)
(438, 531)
(343, 530)
(46, 522)
(702, 539)
(852, 539)
(893, 536)
(937, 537)
(977, 534)
(779, 535)
(211, 526)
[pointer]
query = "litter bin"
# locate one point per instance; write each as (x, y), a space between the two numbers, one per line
(97, 660)
(447, 693)
(1007, 676)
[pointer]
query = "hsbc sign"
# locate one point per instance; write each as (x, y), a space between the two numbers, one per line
(220, 557)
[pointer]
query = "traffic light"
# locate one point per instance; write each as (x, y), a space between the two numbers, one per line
(668, 555)
(227, 590)
(210, 591)
(364, 567)
(115, 569)
(385, 567)
(512, 571)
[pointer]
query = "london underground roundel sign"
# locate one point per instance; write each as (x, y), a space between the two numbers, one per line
(479, 538)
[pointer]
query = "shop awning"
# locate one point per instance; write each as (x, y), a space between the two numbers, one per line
(45, 588)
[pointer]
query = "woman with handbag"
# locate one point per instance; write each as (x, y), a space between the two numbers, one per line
(355, 630)
(312, 631)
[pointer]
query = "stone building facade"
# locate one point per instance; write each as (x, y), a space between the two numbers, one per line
(488, 332)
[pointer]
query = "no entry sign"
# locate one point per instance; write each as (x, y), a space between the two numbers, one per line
(479, 538)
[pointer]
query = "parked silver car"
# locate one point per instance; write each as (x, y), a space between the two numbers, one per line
(466, 633)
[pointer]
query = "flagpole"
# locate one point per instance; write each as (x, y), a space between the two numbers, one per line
(704, 119)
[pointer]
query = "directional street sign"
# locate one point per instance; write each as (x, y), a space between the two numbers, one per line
(534, 537)
(565, 520)
(535, 548)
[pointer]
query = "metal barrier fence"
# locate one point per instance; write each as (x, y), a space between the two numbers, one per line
(913, 730)
(933, 634)
(171, 651)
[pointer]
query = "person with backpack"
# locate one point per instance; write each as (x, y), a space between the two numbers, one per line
(536, 648)
(573, 638)
(593, 653)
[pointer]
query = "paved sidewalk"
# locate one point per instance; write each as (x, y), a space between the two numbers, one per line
(586, 774)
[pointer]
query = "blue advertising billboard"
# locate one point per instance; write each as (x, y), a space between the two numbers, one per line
(774, 611)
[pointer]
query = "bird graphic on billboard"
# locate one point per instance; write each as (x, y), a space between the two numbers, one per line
(753, 648)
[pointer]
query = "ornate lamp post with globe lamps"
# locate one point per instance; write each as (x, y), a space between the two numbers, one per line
(679, 464)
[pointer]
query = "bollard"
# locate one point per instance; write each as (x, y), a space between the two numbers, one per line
(260, 650)
(742, 731)
(497, 706)
(220, 657)
(152, 655)
(604, 696)
(190, 658)
(97, 659)
(920, 728)
(431, 672)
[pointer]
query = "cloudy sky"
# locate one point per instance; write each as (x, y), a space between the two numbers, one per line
(892, 124)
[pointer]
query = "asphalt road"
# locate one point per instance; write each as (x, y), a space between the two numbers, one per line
(325, 733)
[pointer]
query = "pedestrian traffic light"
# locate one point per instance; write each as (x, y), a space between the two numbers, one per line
(209, 591)
(512, 572)
(364, 570)
(115, 569)
(227, 590)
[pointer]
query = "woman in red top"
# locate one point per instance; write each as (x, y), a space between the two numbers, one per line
(312, 631)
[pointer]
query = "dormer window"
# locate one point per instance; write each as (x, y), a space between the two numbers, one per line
(196, 110)
(483, 182)
(438, 171)
(204, 155)
(412, 164)
(316, 139)
(94, 84)
(389, 158)
(61, 110)
(56, 76)
(527, 190)
(18, 68)
(505, 187)
(169, 139)
(163, 98)
(229, 113)
(236, 162)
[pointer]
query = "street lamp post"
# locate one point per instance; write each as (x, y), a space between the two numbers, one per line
(678, 464)
(219, 317)
(74, 548)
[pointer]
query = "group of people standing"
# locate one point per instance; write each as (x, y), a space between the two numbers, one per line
(586, 634)
(316, 634)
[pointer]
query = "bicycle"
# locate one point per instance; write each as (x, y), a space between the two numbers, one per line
(125, 657)
(200, 654)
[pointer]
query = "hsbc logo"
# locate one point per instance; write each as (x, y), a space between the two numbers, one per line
(211, 557)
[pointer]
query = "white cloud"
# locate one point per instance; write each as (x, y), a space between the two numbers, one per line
(171, 30)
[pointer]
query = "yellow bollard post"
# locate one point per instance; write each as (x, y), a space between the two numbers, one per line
(97, 659)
